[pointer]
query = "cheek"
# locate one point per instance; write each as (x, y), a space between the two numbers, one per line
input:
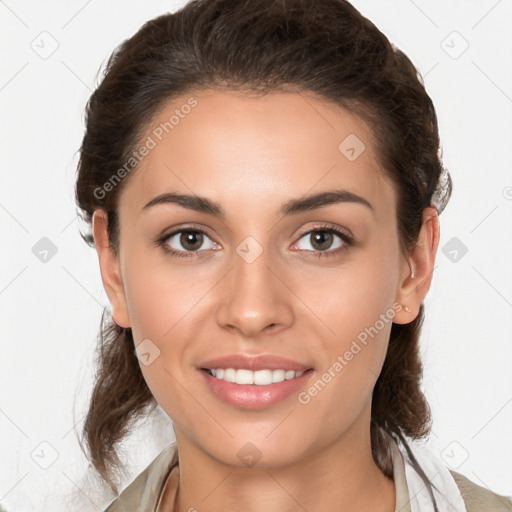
(356, 307)
(164, 304)
(352, 361)
(349, 298)
(161, 295)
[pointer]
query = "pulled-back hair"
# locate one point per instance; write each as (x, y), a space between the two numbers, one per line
(325, 47)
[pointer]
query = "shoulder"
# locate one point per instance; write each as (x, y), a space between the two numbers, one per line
(452, 490)
(480, 499)
(143, 493)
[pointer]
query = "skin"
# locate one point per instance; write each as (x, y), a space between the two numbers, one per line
(251, 155)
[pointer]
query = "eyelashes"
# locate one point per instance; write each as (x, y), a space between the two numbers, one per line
(163, 242)
(345, 239)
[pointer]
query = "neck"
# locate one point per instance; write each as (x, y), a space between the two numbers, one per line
(341, 476)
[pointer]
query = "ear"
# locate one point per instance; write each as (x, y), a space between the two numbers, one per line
(416, 274)
(109, 268)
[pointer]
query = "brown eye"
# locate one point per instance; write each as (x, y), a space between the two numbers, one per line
(324, 240)
(321, 240)
(191, 240)
(185, 242)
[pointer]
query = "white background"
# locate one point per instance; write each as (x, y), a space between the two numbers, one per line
(50, 312)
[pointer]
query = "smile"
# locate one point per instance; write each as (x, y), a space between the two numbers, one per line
(263, 377)
(258, 389)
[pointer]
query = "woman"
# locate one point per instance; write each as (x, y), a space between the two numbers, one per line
(263, 182)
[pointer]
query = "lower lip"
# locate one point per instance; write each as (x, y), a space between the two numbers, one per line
(250, 396)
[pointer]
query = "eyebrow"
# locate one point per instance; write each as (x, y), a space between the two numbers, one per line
(294, 206)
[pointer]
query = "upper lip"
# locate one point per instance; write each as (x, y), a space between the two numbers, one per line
(252, 362)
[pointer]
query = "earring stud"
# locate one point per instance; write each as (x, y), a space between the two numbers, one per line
(407, 309)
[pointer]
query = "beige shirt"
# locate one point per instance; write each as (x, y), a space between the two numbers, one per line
(146, 492)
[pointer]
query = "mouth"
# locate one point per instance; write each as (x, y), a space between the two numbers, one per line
(244, 377)
(254, 390)
(250, 381)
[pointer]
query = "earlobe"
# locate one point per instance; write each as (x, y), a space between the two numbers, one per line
(417, 276)
(109, 269)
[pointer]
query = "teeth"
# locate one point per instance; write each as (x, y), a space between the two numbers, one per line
(258, 378)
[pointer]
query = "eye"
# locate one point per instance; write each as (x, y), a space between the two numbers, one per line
(186, 240)
(321, 239)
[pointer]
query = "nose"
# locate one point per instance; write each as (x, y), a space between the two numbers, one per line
(254, 297)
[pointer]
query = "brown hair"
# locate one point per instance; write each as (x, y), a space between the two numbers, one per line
(325, 47)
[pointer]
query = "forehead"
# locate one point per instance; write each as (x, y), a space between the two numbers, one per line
(242, 149)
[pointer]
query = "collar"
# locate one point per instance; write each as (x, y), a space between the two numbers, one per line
(444, 487)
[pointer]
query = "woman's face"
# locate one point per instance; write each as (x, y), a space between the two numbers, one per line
(258, 273)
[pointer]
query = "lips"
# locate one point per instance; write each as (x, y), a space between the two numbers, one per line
(254, 363)
(248, 385)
